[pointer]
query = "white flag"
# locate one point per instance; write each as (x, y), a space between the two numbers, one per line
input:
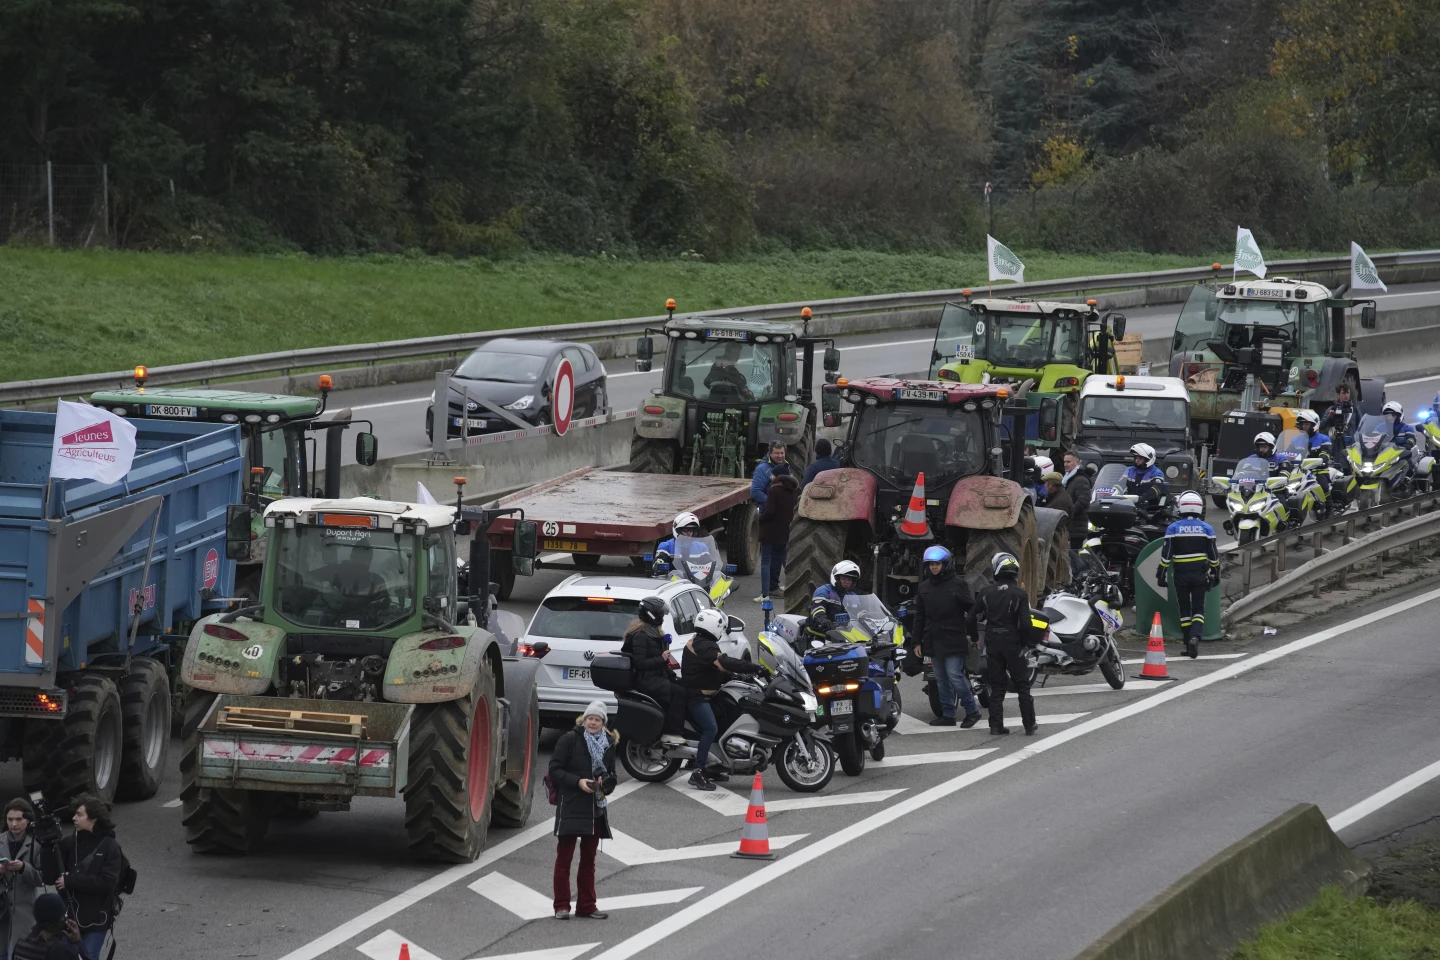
(1004, 265)
(1247, 253)
(1363, 274)
(91, 443)
(422, 495)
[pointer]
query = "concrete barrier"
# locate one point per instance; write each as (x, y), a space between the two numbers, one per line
(1274, 871)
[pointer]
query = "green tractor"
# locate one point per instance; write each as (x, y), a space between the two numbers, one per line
(1054, 345)
(730, 389)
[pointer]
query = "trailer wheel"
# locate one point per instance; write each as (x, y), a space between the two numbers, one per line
(815, 547)
(742, 538)
(504, 573)
(1020, 540)
(651, 456)
(454, 764)
(82, 753)
(516, 791)
(145, 709)
(216, 820)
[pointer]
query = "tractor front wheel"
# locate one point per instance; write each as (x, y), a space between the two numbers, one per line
(1018, 540)
(216, 820)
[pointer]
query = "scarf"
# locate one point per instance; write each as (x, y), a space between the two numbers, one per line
(597, 742)
(1068, 475)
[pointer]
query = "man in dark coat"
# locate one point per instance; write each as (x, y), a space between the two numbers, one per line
(1057, 497)
(1077, 483)
(825, 459)
(775, 517)
(1004, 608)
(653, 666)
(942, 605)
(582, 768)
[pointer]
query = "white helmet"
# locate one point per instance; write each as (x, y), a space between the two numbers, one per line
(713, 622)
(1265, 436)
(1146, 451)
(1004, 563)
(1393, 407)
(684, 521)
(1191, 504)
(1044, 464)
(845, 568)
(1307, 415)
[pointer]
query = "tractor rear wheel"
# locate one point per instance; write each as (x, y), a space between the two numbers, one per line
(145, 710)
(1052, 529)
(454, 767)
(515, 793)
(216, 820)
(742, 538)
(815, 547)
(1019, 540)
(651, 456)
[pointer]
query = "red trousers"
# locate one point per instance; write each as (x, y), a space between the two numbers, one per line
(585, 882)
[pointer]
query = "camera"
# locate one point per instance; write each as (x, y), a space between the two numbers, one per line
(46, 827)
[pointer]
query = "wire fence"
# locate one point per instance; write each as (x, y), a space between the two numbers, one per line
(62, 205)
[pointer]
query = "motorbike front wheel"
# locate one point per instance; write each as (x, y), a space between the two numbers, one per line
(646, 763)
(851, 749)
(802, 774)
(1247, 534)
(1112, 669)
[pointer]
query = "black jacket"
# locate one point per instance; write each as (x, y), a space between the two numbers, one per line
(700, 667)
(646, 647)
(779, 510)
(92, 864)
(1079, 487)
(941, 605)
(1004, 608)
(32, 947)
(577, 813)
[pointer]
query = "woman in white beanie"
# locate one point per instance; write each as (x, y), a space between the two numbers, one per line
(582, 768)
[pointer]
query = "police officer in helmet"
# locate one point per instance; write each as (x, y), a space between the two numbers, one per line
(942, 605)
(827, 604)
(1143, 478)
(1004, 608)
(1190, 555)
(653, 666)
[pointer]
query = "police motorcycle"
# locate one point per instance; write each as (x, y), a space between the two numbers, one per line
(1076, 626)
(1124, 526)
(1380, 471)
(1252, 497)
(1304, 496)
(763, 721)
(1427, 443)
(697, 559)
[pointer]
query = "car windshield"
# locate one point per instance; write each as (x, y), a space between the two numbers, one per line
(584, 618)
(1293, 445)
(486, 364)
(343, 578)
(1135, 412)
(897, 441)
(1251, 470)
(697, 559)
(729, 371)
(1013, 338)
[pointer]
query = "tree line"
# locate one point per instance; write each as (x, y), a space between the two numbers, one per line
(492, 127)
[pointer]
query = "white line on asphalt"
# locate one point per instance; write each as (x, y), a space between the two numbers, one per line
(387, 947)
(903, 809)
(384, 911)
(1406, 383)
(554, 953)
(1132, 684)
(1203, 656)
(910, 725)
(173, 803)
(528, 903)
(1385, 797)
(732, 804)
(391, 403)
(632, 852)
(919, 759)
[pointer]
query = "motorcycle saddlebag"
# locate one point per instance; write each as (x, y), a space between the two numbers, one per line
(637, 720)
(612, 672)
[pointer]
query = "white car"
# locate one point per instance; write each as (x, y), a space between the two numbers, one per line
(587, 615)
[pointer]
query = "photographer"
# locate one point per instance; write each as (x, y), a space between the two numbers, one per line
(20, 876)
(92, 864)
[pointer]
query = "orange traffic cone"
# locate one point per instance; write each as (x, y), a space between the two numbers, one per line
(914, 524)
(404, 951)
(1154, 668)
(755, 837)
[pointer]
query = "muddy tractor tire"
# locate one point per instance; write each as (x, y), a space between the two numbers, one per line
(1018, 539)
(652, 456)
(145, 741)
(802, 451)
(79, 755)
(815, 547)
(216, 820)
(516, 791)
(1052, 532)
(742, 538)
(454, 768)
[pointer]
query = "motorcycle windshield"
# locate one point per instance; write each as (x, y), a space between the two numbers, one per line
(697, 559)
(867, 610)
(1109, 482)
(1292, 446)
(1374, 435)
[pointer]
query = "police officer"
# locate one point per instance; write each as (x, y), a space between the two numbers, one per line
(1265, 448)
(1341, 418)
(942, 603)
(1191, 555)
(1308, 421)
(684, 525)
(827, 604)
(1143, 478)
(1402, 433)
(653, 666)
(1004, 608)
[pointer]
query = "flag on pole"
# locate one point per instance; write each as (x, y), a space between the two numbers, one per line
(1247, 254)
(1004, 265)
(422, 495)
(91, 443)
(1363, 274)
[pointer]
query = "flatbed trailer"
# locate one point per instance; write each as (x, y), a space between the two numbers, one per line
(593, 513)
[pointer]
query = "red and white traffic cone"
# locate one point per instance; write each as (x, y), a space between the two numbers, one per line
(404, 952)
(755, 837)
(1154, 668)
(915, 524)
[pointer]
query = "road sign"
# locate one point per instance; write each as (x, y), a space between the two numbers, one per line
(562, 397)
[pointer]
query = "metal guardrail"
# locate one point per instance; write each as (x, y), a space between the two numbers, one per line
(286, 361)
(1333, 562)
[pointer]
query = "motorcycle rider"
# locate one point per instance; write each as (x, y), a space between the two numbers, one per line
(1341, 418)
(1400, 432)
(1320, 445)
(1265, 449)
(1043, 465)
(1004, 608)
(653, 666)
(827, 604)
(684, 525)
(1191, 553)
(942, 603)
(1143, 478)
(703, 669)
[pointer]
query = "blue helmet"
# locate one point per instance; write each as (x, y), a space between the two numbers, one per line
(937, 554)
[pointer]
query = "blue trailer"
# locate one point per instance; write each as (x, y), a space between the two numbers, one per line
(96, 580)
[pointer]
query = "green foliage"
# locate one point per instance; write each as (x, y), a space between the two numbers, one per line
(1335, 928)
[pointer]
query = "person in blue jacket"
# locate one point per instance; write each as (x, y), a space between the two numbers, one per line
(1143, 478)
(1191, 557)
(684, 525)
(827, 603)
(1402, 432)
(760, 483)
(825, 459)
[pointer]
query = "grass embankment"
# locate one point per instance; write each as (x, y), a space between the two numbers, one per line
(1334, 928)
(64, 313)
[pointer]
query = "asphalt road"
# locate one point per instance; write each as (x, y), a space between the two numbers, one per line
(1015, 847)
(398, 410)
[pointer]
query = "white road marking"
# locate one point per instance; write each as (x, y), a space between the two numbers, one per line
(554, 953)
(1406, 383)
(632, 852)
(1203, 656)
(1385, 797)
(918, 759)
(909, 724)
(384, 911)
(905, 808)
(1131, 685)
(530, 904)
(391, 403)
(387, 947)
(731, 804)
(173, 803)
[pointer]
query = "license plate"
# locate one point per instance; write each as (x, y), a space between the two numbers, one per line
(964, 351)
(473, 424)
(169, 410)
(566, 546)
(920, 394)
(577, 673)
(727, 334)
(842, 707)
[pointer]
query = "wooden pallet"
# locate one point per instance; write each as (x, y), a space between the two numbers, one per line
(351, 726)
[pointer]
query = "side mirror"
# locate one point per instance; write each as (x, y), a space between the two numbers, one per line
(525, 546)
(832, 359)
(1050, 419)
(1275, 483)
(1311, 463)
(644, 354)
(816, 644)
(367, 449)
(545, 389)
(832, 420)
(829, 402)
(1367, 317)
(735, 625)
(1117, 325)
(238, 521)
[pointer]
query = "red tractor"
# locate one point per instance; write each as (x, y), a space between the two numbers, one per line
(978, 495)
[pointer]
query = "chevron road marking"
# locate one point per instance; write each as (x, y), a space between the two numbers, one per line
(732, 804)
(632, 852)
(530, 904)
(909, 724)
(387, 947)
